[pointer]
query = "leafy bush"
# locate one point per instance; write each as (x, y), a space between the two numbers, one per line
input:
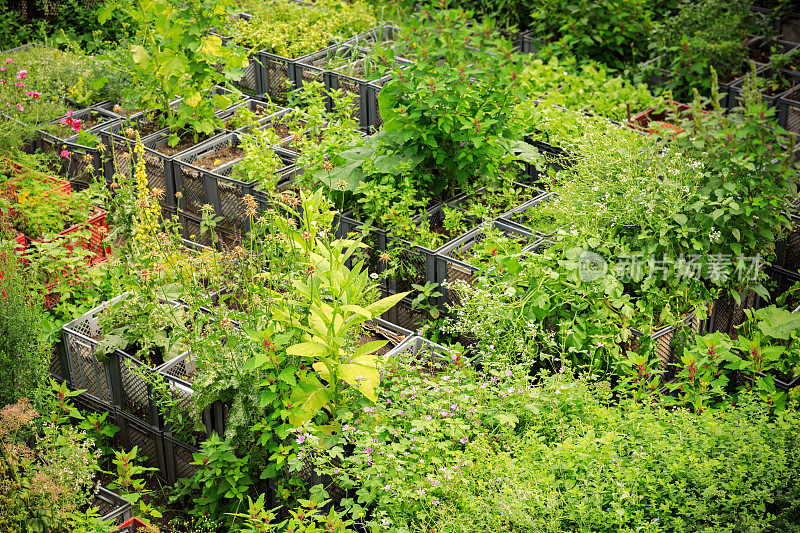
(613, 32)
(588, 87)
(24, 358)
(489, 452)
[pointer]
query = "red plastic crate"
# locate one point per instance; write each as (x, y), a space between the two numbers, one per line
(98, 226)
(59, 185)
(652, 121)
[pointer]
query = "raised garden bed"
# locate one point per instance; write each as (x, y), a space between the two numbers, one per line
(203, 177)
(418, 262)
(464, 258)
(250, 114)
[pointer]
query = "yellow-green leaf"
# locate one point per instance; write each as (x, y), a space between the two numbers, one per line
(383, 305)
(308, 349)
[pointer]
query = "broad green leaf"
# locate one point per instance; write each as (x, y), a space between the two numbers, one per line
(367, 348)
(308, 349)
(384, 304)
(365, 378)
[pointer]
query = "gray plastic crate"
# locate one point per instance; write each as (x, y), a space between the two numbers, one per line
(111, 506)
(449, 268)
(199, 187)
(111, 382)
(519, 216)
(422, 349)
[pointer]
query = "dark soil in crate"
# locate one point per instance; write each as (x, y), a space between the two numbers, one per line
(224, 155)
(184, 144)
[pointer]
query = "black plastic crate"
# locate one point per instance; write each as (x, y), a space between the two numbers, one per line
(277, 75)
(418, 262)
(362, 91)
(158, 166)
(404, 315)
(149, 440)
(199, 187)
(787, 249)
(112, 507)
(781, 281)
(790, 26)
(84, 163)
(179, 457)
(254, 105)
(656, 77)
(462, 202)
(449, 268)
(736, 90)
(726, 314)
(789, 105)
(663, 340)
(375, 239)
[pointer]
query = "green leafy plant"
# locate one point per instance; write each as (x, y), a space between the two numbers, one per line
(175, 53)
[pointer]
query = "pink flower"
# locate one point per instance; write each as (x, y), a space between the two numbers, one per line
(3, 82)
(20, 107)
(65, 153)
(2, 69)
(76, 125)
(21, 74)
(9, 60)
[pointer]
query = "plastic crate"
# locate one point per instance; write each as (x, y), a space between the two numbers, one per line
(726, 314)
(158, 167)
(179, 457)
(781, 280)
(518, 217)
(736, 90)
(422, 349)
(22, 173)
(199, 187)
(277, 75)
(789, 105)
(462, 202)
(449, 268)
(419, 262)
(790, 26)
(179, 374)
(84, 163)
(59, 367)
(113, 508)
(149, 440)
(663, 339)
(254, 106)
(655, 77)
(787, 249)
(110, 382)
(361, 90)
